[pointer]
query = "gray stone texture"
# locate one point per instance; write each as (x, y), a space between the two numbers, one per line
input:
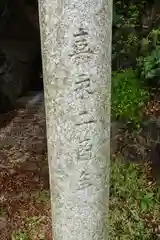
(76, 49)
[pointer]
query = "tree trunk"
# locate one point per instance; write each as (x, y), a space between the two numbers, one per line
(76, 51)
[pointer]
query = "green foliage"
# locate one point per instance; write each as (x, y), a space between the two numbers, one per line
(2, 212)
(150, 43)
(125, 39)
(150, 67)
(125, 15)
(20, 235)
(154, 37)
(126, 46)
(130, 20)
(149, 62)
(128, 97)
(134, 204)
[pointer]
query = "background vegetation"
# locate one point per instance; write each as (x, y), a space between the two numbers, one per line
(134, 196)
(135, 58)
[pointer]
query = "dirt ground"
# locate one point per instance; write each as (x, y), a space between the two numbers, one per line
(24, 183)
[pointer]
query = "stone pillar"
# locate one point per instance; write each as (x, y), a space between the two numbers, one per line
(76, 52)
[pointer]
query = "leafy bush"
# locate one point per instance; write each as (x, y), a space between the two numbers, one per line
(150, 43)
(128, 96)
(126, 14)
(125, 37)
(150, 66)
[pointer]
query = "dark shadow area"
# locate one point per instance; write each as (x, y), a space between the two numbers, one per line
(6, 118)
(20, 53)
(24, 181)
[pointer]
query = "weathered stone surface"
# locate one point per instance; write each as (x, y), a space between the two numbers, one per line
(76, 43)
